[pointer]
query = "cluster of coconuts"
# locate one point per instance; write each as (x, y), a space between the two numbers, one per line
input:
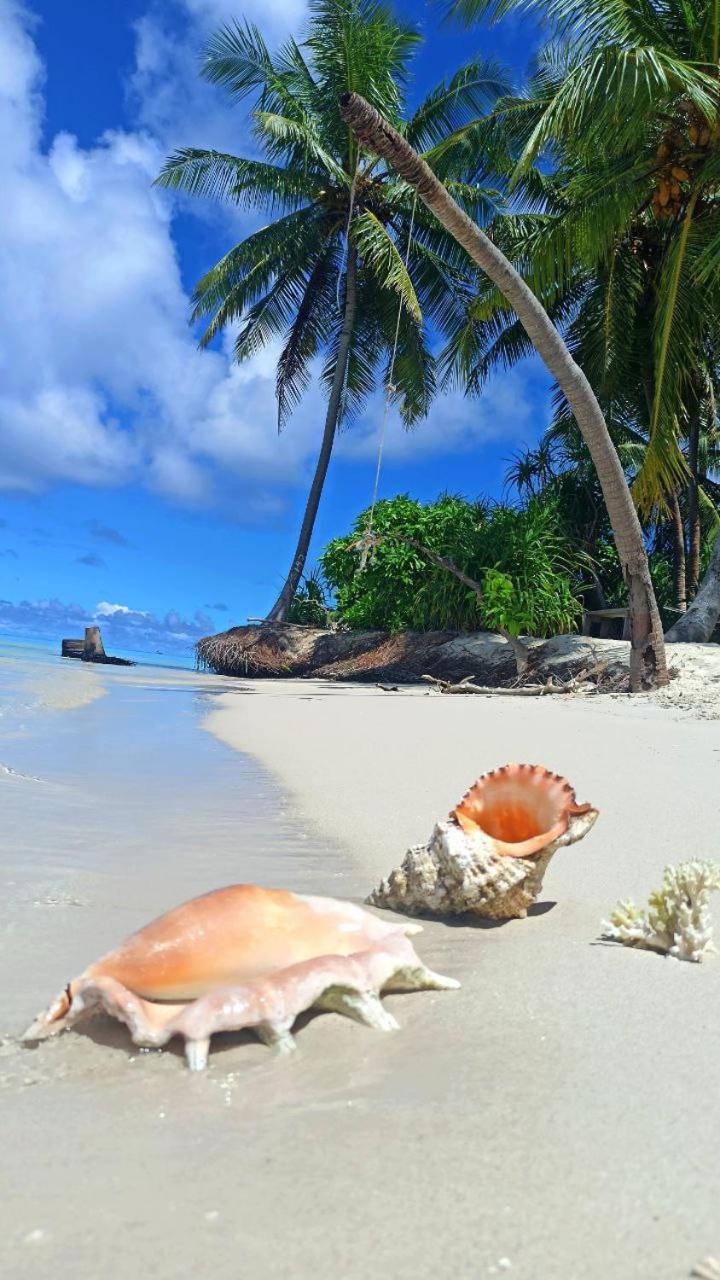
(675, 164)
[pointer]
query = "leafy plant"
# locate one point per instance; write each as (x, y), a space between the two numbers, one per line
(309, 606)
(529, 571)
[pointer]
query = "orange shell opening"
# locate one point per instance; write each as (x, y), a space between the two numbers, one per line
(521, 807)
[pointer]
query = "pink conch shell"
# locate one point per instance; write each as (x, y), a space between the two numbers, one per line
(490, 857)
(244, 957)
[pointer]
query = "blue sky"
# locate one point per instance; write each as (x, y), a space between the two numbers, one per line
(141, 481)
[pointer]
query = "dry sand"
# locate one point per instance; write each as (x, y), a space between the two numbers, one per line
(557, 1117)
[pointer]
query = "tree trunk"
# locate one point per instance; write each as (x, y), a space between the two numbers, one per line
(647, 651)
(281, 608)
(697, 625)
(678, 533)
(694, 535)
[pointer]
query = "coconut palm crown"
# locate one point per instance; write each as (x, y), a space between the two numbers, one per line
(330, 277)
(613, 154)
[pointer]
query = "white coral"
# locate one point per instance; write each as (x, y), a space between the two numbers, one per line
(677, 918)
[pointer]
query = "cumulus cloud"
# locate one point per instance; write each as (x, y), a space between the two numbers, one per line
(169, 96)
(125, 628)
(92, 561)
(111, 389)
(100, 380)
(219, 608)
(106, 610)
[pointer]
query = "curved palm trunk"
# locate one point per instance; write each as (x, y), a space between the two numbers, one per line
(647, 654)
(695, 537)
(698, 624)
(678, 533)
(281, 608)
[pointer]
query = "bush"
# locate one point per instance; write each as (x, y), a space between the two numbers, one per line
(523, 559)
(309, 605)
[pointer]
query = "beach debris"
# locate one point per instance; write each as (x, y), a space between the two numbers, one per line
(594, 679)
(677, 918)
(240, 958)
(490, 856)
(92, 649)
(468, 685)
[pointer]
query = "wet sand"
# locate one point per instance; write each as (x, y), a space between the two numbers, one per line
(556, 1117)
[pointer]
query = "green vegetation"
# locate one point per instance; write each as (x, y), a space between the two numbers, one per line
(524, 560)
(309, 606)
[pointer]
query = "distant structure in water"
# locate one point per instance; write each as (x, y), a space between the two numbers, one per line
(92, 649)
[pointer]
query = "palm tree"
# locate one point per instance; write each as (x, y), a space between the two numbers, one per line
(335, 275)
(700, 620)
(647, 650)
(625, 108)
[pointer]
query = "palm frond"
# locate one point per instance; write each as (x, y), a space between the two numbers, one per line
(457, 102)
(215, 175)
(380, 255)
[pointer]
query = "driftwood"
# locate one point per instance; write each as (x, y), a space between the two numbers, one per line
(518, 691)
(590, 680)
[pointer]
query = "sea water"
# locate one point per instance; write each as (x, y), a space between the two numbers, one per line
(116, 805)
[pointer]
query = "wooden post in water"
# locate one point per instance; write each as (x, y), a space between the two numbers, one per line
(93, 647)
(72, 648)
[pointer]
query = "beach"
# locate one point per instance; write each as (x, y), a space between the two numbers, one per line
(554, 1117)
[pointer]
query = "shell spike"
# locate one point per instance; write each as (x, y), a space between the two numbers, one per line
(361, 1006)
(196, 1052)
(420, 978)
(276, 1037)
(58, 1015)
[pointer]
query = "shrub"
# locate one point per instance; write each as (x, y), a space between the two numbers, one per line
(523, 559)
(309, 605)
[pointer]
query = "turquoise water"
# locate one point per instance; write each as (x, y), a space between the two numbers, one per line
(116, 804)
(33, 645)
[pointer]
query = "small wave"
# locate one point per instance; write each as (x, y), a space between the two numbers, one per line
(7, 772)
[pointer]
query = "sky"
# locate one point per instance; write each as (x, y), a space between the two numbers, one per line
(143, 483)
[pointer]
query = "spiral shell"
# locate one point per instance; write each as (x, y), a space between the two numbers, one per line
(490, 857)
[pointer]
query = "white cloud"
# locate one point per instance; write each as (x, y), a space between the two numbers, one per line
(123, 628)
(106, 610)
(100, 380)
(507, 410)
(170, 97)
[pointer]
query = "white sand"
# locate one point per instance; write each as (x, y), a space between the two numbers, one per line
(557, 1117)
(561, 1110)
